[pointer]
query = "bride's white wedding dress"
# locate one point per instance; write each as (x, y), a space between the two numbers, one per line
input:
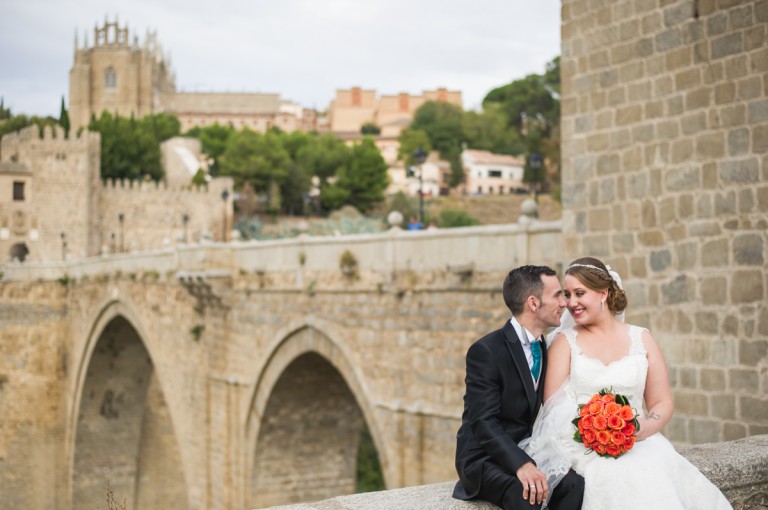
(650, 475)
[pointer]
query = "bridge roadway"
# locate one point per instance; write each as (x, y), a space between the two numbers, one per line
(241, 375)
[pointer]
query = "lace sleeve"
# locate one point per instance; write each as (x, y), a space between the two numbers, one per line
(551, 428)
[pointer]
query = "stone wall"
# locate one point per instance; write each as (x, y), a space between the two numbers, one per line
(665, 177)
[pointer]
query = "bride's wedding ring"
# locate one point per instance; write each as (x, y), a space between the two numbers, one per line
(532, 485)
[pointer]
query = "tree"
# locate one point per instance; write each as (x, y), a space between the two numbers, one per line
(526, 100)
(411, 140)
(161, 126)
(488, 130)
(213, 142)
(128, 149)
(260, 160)
(362, 183)
(369, 128)
(443, 123)
(64, 118)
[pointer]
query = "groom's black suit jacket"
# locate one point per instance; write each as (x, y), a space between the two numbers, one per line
(500, 406)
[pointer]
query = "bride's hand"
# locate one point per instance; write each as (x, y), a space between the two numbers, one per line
(649, 425)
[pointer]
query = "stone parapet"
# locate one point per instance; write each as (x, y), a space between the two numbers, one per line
(738, 468)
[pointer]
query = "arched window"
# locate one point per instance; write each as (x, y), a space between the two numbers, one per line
(110, 78)
(19, 252)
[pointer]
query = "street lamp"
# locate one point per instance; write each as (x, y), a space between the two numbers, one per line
(63, 246)
(185, 220)
(419, 157)
(535, 161)
(121, 219)
(224, 198)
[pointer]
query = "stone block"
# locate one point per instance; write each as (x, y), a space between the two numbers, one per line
(642, 134)
(717, 24)
(608, 164)
(748, 250)
(704, 431)
(706, 322)
(738, 142)
(688, 79)
(667, 211)
(623, 243)
(752, 352)
(727, 45)
(758, 112)
(633, 71)
(597, 245)
(629, 29)
(688, 378)
(678, 14)
(660, 260)
(713, 290)
(725, 203)
(742, 380)
(629, 115)
(698, 350)
(713, 379)
(693, 123)
(667, 129)
(699, 98)
(750, 88)
(648, 213)
(741, 17)
(710, 146)
(607, 191)
(668, 39)
(714, 253)
(735, 115)
(753, 408)
(617, 96)
(681, 150)
(677, 290)
(725, 93)
(651, 238)
(731, 325)
(675, 105)
(691, 403)
(723, 406)
(651, 23)
(733, 431)
(682, 179)
(599, 220)
(638, 267)
(754, 38)
(685, 206)
(632, 160)
(704, 206)
(760, 139)
(735, 67)
(747, 286)
(684, 324)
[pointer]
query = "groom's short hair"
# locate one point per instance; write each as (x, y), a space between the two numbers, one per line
(522, 282)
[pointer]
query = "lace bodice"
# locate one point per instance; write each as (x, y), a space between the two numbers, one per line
(626, 375)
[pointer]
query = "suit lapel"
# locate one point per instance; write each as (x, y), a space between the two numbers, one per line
(521, 363)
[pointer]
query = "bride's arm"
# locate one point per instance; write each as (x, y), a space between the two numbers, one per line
(658, 394)
(558, 365)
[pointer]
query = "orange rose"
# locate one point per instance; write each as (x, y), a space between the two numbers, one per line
(615, 422)
(599, 422)
(612, 408)
(618, 438)
(588, 437)
(629, 429)
(626, 413)
(603, 437)
(608, 397)
(612, 450)
(600, 449)
(584, 410)
(629, 442)
(594, 398)
(586, 421)
(596, 407)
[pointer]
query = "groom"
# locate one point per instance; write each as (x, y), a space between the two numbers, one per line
(504, 387)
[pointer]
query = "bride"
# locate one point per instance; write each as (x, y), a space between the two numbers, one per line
(598, 351)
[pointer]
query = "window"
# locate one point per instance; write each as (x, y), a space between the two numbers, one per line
(110, 78)
(494, 173)
(18, 191)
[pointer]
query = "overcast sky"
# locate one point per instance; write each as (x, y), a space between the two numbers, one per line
(302, 49)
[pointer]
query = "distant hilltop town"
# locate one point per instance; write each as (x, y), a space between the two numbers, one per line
(132, 78)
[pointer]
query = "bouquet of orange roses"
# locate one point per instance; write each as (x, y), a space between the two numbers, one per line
(607, 424)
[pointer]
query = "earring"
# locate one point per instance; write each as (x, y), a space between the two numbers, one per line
(601, 305)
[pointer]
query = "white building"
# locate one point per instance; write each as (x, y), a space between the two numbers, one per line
(488, 173)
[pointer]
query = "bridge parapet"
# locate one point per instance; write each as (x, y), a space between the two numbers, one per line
(295, 262)
(739, 468)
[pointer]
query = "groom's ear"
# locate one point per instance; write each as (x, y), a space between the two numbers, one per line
(533, 303)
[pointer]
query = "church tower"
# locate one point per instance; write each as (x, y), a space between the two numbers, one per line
(117, 75)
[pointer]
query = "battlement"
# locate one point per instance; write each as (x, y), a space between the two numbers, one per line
(29, 143)
(162, 189)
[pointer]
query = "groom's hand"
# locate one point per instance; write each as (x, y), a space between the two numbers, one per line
(535, 488)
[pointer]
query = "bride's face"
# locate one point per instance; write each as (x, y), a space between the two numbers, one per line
(583, 302)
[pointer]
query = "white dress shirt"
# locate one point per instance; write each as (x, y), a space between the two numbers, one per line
(526, 337)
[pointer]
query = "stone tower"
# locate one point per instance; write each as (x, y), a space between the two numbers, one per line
(118, 75)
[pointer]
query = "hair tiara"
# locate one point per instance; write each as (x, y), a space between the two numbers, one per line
(589, 266)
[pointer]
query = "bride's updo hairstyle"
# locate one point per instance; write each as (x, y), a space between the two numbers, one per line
(595, 276)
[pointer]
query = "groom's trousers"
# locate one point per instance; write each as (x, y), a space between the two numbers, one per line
(505, 490)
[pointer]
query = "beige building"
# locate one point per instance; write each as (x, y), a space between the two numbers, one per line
(122, 76)
(352, 108)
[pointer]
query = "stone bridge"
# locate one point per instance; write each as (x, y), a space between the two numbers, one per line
(237, 376)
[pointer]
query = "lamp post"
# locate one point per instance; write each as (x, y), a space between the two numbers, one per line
(535, 160)
(419, 157)
(224, 198)
(121, 219)
(185, 220)
(63, 246)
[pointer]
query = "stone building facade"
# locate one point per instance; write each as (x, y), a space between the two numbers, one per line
(54, 205)
(122, 76)
(665, 176)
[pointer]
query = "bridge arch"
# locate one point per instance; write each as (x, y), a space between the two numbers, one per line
(120, 429)
(309, 402)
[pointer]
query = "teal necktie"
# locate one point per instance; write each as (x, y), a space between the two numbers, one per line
(536, 352)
